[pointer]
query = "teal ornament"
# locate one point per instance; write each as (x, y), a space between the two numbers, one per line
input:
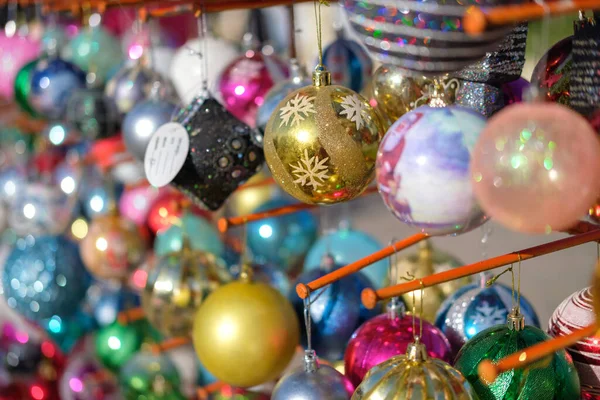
(54, 39)
(66, 332)
(266, 273)
(95, 51)
(283, 240)
(201, 236)
(347, 246)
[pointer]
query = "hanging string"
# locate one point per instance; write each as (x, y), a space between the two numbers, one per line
(317, 6)
(205, 46)
(292, 31)
(308, 322)
(393, 273)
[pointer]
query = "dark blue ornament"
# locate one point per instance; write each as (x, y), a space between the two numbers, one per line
(284, 240)
(52, 82)
(349, 63)
(105, 301)
(474, 308)
(336, 312)
(44, 276)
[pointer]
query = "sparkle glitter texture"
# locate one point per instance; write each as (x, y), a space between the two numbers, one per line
(481, 97)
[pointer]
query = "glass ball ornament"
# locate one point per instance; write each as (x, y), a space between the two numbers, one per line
(313, 382)
(95, 196)
(347, 246)
(266, 273)
(52, 82)
(248, 354)
(432, 145)
(349, 63)
(389, 335)
(142, 121)
(283, 240)
(95, 51)
(243, 202)
(84, 378)
(324, 160)
(177, 286)
(169, 207)
(113, 248)
(12, 181)
(577, 312)
(536, 167)
(105, 300)
(336, 311)
(187, 69)
(246, 80)
(552, 74)
(474, 308)
(59, 133)
(67, 331)
(44, 276)
(298, 79)
(132, 84)
(414, 376)
(151, 376)
(426, 261)
(17, 51)
(188, 367)
(92, 113)
(200, 235)
(135, 202)
(22, 88)
(54, 38)
(555, 379)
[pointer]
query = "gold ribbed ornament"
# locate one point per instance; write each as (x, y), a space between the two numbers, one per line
(414, 376)
(321, 142)
(426, 261)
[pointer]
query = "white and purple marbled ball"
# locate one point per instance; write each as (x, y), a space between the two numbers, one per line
(423, 169)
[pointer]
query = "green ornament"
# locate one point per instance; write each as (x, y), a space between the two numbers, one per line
(150, 376)
(23, 87)
(554, 378)
(117, 343)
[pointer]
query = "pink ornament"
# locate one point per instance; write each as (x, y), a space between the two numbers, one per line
(536, 167)
(388, 335)
(245, 82)
(15, 52)
(576, 312)
(135, 202)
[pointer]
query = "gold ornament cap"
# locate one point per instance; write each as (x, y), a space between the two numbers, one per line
(515, 320)
(416, 351)
(321, 76)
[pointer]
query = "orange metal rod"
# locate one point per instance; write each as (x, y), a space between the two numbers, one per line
(303, 290)
(488, 371)
(370, 297)
(169, 344)
(131, 315)
(225, 223)
(203, 392)
(477, 20)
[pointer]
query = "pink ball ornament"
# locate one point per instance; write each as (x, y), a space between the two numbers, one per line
(15, 52)
(135, 202)
(422, 169)
(246, 81)
(536, 167)
(389, 335)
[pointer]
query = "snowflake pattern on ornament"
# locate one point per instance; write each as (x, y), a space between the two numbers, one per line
(298, 107)
(310, 171)
(354, 109)
(487, 316)
(246, 71)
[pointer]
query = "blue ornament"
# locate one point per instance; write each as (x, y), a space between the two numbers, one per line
(474, 308)
(44, 276)
(201, 235)
(52, 82)
(347, 246)
(268, 274)
(66, 332)
(281, 241)
(349, 63)
(95, 194)
(105, 301)
(12, 181)
(336, 312)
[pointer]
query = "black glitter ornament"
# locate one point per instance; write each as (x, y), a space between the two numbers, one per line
(223, 154)
(585, 73)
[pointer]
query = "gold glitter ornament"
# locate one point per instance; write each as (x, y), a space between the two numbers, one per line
(321, 142)
(177, 286)
(428, 260)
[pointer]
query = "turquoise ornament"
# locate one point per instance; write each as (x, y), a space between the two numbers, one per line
(347, 246)
(201, 236)
(66, 332)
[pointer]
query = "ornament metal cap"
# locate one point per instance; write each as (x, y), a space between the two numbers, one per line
(416, 351)
(395, 308)
(321, 76)
(311, 362)
(515, 320)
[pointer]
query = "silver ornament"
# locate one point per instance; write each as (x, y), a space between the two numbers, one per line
(134, 83)
(142, 121)
(481, 97)
(313, 382)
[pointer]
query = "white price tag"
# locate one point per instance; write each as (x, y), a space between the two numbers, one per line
(166, 154)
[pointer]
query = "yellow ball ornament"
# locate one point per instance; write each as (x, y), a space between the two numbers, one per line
(321, 142)
(245, 333)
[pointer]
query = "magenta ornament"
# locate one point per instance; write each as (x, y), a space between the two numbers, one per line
(246, 81)
(135, 202)
(513, 91)
(389, 335)
(15, 52)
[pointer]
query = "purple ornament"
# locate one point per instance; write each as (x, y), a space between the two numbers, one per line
(85, 379)
(389, 335)
(513, 91)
